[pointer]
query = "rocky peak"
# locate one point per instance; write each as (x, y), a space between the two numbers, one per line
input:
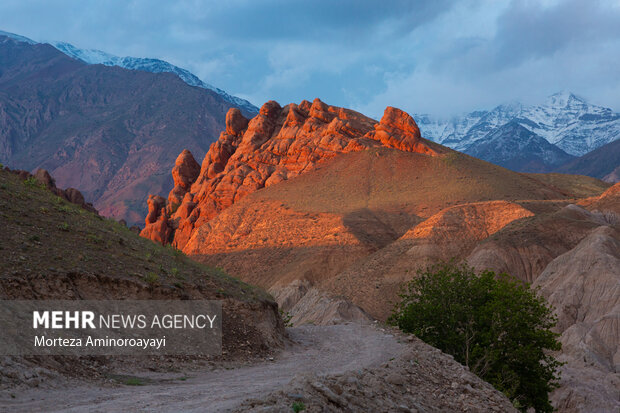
(235, 122)
(184, 173)
(564, 99)
(277, 144)
(398, 130)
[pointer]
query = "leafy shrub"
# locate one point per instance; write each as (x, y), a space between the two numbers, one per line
(134, 381)
(63, 227)
(65, 208)
(494, 325)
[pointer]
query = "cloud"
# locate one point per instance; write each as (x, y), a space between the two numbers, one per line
(531, 50)
(436, 56)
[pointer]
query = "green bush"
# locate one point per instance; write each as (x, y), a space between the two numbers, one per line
(298, 407)
(494, 325)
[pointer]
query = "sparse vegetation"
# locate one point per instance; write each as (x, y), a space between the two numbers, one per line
(298, 407)
(493, 324)
(133, 381)
(37, 217)
(174, 271)
(95, 239)
(31, 181)
(151, 278)
(66, 208)
(286, 317)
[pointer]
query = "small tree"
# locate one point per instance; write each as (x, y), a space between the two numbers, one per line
(493, 324)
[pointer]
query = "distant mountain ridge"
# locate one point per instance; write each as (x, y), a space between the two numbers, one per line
(602, 163)
(92, 56)
(110, 132)
(564, 120)
(515, 147)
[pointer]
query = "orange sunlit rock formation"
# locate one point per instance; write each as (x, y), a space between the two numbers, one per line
(276, 145)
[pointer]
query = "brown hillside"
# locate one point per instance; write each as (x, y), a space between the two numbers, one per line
(354, 193)
(321, 226)
(337, 240)
(53, 249)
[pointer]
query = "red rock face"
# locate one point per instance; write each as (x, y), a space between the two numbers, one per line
(278, 144)
(184, 173)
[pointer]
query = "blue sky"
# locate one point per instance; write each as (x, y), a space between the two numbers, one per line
(436, 56)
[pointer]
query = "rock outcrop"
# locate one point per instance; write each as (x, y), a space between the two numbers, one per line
(305, 304)
(184, 173)
(276, 145)
(583, 286)
(44, 179)
(527, 247)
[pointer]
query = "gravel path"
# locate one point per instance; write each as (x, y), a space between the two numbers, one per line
(317, 350)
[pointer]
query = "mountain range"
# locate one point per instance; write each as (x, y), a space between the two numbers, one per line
(93, 56)
(551, 134)
(110, 132)
(332, 212)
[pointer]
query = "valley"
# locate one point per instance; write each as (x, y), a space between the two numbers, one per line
(384, 261)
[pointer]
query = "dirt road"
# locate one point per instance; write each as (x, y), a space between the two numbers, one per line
(320, 350)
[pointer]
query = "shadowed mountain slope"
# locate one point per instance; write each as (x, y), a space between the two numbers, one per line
(603, 163)
(515, 147)
(112, 133)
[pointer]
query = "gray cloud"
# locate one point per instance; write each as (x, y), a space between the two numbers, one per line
(435, 56)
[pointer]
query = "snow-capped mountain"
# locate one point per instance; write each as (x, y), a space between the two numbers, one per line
(17, 37)
(515, 147)
(92, 56)
(564, 120)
